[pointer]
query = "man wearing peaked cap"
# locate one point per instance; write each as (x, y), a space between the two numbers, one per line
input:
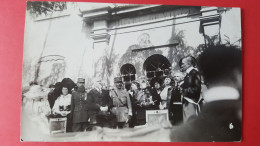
(122, 107)
(79, 107)
(80, 82)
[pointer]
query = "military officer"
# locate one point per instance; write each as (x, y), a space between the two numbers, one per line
(79, 107)
(122, 107)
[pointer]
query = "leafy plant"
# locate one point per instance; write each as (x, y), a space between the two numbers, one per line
(37, 8)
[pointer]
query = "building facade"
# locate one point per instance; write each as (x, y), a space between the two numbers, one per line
(109, 40)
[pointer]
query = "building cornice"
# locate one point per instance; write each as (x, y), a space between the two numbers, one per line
(116, 13)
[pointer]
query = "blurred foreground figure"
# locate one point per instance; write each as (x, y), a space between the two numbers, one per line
(220, 118)
(34, 122)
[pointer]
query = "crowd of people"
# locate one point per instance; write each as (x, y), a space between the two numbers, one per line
(183, 94)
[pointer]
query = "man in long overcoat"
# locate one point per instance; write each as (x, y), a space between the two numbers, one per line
(190, 88)
(175, 108)
(99, 105)
(79, 108)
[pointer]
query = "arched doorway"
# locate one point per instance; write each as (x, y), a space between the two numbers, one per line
(156, 65)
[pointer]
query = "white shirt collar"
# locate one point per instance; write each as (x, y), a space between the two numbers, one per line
(65, 96)
(221, 93)
(189, 69)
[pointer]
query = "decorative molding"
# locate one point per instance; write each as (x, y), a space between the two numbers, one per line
(136, 14)
(133, 9)
(175, 43)
(100, 32)
(91, 16)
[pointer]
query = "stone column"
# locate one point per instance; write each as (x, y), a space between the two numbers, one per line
(97, 19)
(100, 45)
(100, 36)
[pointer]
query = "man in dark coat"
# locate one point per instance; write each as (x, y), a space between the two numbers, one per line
(134, 89)
(99, 105)
(190, 88)
(220, 118)
(79, 108)
(175, 108)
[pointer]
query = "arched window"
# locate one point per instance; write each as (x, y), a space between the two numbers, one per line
(128, 72)
(156, 65)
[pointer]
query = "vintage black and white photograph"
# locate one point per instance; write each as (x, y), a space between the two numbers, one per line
(131, 72)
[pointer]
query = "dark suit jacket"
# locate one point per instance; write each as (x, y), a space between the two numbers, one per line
(95, 101)
(175, 110)
(176, 95)
(106, 99)
(133, 101)
(156, 97)
(192, 85)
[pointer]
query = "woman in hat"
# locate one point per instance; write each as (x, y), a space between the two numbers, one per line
(62, 106)
(166, 93)
(144, 100)
(35, 100)
(155, 92)
(35, 111)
